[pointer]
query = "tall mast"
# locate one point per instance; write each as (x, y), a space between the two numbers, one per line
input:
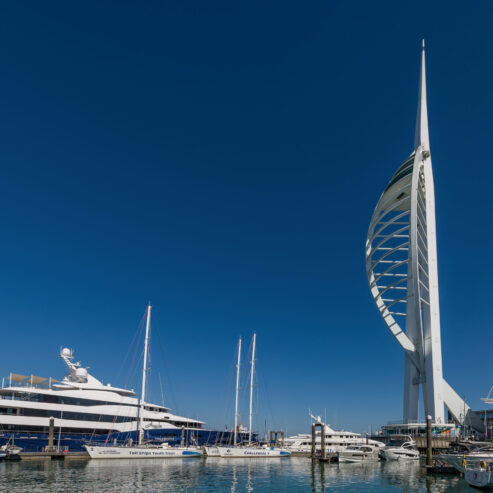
(422, 137)
(251, 387)
(237, 385)
(144, 374)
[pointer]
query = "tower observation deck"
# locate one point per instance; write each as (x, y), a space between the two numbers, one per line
(401, 264)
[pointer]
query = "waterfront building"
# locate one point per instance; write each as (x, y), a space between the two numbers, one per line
(401, 262)
(418, 428)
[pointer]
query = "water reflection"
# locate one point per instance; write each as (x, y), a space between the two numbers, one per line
(382, 476)
(216, 475)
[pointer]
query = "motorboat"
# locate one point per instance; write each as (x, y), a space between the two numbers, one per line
(400, 449)
(479, 475)
(360, 453)
(10, 451)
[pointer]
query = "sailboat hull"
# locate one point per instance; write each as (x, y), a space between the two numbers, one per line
(97, 452)
(245, 452)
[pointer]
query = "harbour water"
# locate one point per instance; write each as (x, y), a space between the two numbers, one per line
(294, 475)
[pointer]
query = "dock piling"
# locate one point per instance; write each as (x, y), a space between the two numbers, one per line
(274, 438)
(314, 444)
(429, 451)
(51, 434)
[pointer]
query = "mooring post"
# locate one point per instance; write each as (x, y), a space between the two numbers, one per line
(314, 446)
(51, 434)
(322, 440)
(428, 441)
(182, 442)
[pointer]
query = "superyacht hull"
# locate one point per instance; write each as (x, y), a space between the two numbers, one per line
(111, 452)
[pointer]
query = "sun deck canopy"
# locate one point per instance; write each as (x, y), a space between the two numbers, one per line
(30, 379)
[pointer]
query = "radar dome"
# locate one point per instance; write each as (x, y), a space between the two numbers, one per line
(81, 372)
(66, 352)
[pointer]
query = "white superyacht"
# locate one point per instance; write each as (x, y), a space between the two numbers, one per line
(335, 440)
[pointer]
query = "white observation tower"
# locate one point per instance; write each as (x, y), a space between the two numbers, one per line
(401, 264)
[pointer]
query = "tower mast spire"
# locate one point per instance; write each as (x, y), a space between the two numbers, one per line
(422, 137)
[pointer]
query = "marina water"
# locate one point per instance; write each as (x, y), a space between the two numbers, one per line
(216, 475)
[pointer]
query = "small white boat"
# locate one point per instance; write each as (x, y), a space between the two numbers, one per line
(400, 449)
(480, 477)
(141, 452)
(360, 453)
(9, 450)
(243, 452)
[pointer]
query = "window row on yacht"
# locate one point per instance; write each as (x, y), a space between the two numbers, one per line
(74, 401)
(78, 416)
(48, 413)
(15, 428)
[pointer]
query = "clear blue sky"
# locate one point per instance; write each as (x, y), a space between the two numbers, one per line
(223, 160)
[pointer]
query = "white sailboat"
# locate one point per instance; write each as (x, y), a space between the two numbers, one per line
(251, 450)
(215, 451)
(141, 450)
(479, 475)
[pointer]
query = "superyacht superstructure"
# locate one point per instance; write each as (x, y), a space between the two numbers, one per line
(84, 409)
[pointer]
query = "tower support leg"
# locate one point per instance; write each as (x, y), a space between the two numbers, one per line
(411, 391)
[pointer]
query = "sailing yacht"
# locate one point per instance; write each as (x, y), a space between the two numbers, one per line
(86, 409)
(252, 450)
(141, 450)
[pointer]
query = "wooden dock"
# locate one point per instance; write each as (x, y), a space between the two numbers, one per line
(54, 455)
(329, 458)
